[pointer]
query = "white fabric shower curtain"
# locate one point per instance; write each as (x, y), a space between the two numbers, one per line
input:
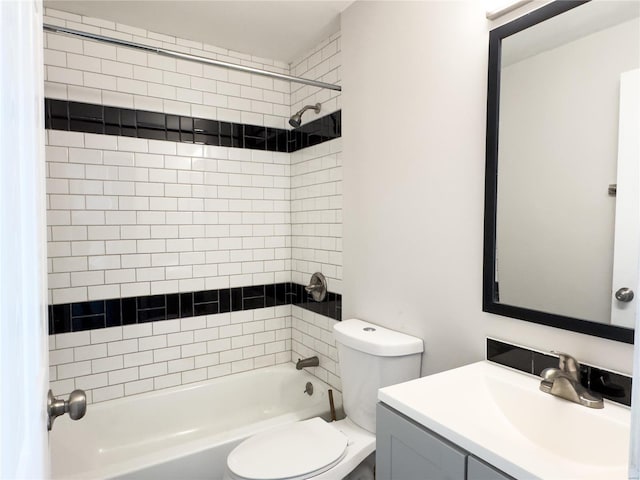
(634, 447)
(24, 355)
(630, 125)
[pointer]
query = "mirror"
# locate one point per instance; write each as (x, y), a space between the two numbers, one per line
(562, 229)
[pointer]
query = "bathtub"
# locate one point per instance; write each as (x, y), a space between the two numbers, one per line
(183, 432)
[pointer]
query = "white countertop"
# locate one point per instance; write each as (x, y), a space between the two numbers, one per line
(501, 416)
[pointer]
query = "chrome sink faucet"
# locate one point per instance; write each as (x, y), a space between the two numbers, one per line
(564, 382)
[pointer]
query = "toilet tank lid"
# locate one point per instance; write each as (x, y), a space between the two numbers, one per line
(375, 340)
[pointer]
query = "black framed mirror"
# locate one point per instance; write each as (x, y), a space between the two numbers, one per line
(553, 114)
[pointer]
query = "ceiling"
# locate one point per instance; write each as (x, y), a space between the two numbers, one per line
(278, 30)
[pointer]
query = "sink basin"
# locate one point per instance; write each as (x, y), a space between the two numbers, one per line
(501, 416)
(579, 434)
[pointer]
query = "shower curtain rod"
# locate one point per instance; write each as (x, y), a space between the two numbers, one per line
(194, 58)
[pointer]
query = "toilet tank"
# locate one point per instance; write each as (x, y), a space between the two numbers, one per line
(372, 357)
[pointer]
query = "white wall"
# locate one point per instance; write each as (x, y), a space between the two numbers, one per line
(553, 207)
(414, 77)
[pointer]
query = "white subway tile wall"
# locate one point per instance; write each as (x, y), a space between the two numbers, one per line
(316, 174)
(312, 334)
(320, 63)
(127, 222)
(129, 216)
(316, 213)
(113, 362)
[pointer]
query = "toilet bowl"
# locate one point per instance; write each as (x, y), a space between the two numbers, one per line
(331, 451)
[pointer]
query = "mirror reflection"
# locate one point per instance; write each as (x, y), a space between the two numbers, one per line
(567, 216)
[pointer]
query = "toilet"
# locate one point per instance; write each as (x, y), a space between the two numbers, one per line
(370, 357)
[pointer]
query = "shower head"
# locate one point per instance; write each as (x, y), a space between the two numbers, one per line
(296, 119)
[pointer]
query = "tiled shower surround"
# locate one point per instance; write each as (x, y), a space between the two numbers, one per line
(131, 216)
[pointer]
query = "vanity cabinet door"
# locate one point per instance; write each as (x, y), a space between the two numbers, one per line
(406, 451)
(478, 470)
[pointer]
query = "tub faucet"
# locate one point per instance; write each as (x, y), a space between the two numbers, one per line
(307, 362)
(564, 382)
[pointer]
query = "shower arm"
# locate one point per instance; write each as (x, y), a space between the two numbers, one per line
(315, 107)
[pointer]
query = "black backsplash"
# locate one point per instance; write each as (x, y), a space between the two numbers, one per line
(75, 317)
(92, 118)
(612, 386)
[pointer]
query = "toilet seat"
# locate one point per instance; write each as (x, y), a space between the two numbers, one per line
(294, 452)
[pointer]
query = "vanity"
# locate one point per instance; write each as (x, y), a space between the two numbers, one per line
(408, 450)
(487, 422)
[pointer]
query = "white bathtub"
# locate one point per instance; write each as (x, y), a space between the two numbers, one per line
(183, 432)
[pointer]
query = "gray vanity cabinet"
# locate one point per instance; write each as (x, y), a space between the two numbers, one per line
(478, 470)
(406, 450)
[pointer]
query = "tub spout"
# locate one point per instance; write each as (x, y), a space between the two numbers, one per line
(307, 362)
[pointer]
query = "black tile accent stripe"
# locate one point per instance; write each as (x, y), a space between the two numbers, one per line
(612, 386)
(331, 306)
(92, 118)
(76, 317)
